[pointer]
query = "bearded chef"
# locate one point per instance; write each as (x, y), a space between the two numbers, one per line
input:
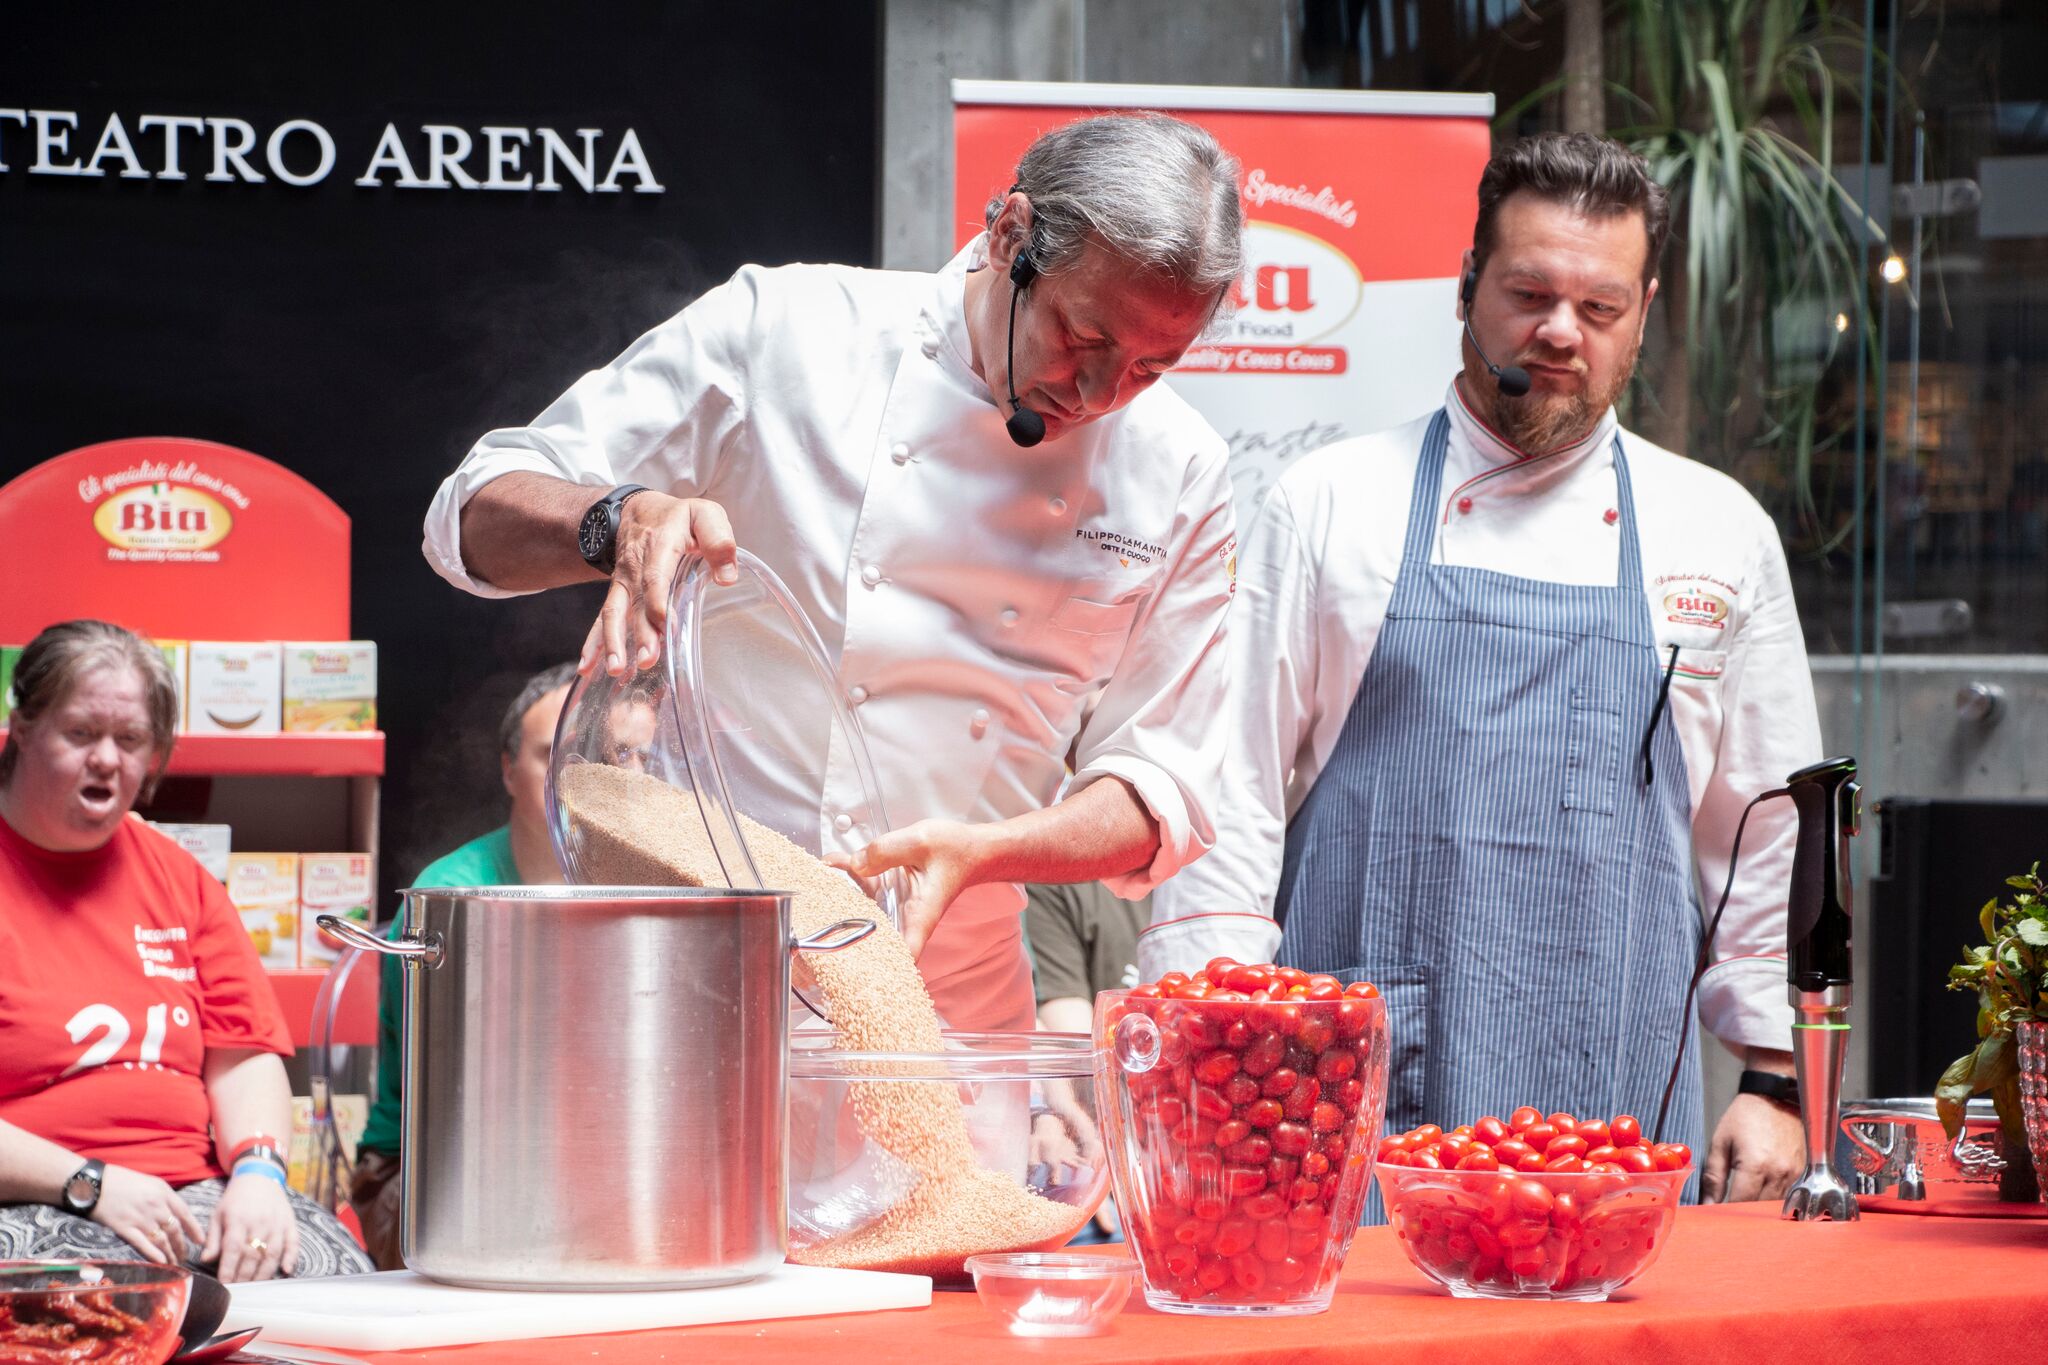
(1014, 542)
(1503, 681)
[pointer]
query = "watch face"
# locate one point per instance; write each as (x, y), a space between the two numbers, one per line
(590, 536)
(81, 1191)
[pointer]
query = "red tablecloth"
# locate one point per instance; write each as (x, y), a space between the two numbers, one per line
(1736, 1284)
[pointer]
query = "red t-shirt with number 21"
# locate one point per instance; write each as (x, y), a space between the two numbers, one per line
(119, 968)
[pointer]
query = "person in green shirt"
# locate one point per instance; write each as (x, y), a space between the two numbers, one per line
(517, 853)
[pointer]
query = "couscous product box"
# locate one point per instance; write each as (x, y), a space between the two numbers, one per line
(177, 657)
(234, 689)
(332, 884)
(211, 845)
(330, 686)
(265, 889)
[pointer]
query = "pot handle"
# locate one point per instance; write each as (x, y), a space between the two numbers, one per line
(426, 951)
(833, 937)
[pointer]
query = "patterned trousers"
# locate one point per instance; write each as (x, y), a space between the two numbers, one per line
(44, 1232)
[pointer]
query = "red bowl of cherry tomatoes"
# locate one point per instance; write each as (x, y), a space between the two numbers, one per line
(1535, 1207)
(1240, 1108)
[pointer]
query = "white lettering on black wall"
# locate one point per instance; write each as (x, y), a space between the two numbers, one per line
(302, 153)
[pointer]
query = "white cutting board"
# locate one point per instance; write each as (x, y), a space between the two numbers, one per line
(397, 1310)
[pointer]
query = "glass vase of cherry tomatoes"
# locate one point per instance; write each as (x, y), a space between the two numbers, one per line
(1240, 1109)
(1536, 1206)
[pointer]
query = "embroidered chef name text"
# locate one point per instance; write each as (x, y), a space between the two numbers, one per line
(1126, 548)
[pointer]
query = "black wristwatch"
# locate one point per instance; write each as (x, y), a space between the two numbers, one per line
(82, 1190)
(1773, 1087)
(598, 535)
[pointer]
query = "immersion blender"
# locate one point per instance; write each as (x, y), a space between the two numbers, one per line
(1817, 970)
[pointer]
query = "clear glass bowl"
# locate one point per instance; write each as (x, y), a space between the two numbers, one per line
(1532, 1234)
(914, 1162)
(1240, 1137)
(86, 1310)
(743, 714)
(1053, 1294)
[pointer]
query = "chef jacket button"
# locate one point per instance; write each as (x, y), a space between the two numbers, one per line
(1057, 506)
(978, 725)
(900, 453)
(871, 575)
(1009, 616)
(1464, 506)
(856, 694)
(1610, 516)
(842, 822)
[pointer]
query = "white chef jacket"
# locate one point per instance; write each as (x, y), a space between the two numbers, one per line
(995, 613)
(1315, 576)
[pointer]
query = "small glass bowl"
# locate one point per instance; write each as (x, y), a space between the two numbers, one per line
(127, 1308)
(1053, 1294)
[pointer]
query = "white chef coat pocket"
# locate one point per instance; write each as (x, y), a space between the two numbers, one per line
(1698, 669)
(1085, 616)
(1592, 750)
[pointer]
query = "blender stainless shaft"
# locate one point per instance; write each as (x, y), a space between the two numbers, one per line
(1817, 970)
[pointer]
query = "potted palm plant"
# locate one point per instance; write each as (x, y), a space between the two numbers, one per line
(2009, 973)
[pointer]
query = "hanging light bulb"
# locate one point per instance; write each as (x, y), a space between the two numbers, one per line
(1894, 269)
(1841, 322)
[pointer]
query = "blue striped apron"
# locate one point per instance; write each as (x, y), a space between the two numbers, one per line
(1482, 844)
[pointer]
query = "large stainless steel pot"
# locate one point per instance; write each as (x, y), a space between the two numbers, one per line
(596, 1082)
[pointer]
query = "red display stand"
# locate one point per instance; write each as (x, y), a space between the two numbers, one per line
(180, 539)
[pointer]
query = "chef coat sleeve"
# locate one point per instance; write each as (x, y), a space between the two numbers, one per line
(1770, 728)
(1155, 724)
(1223, 905)
(660, 415)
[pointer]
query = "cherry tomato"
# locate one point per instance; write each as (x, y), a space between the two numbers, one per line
(1637, 1159)
(1594, 1131)
(1231, 1132)
(1524, 1118)
(1324, 988)
(1290, 977)
(1626, 1131)
(1398, 1158)
(1146, 993)
(1363, 990)
(1302, 1100)
(1193, 990)
(1264, 1205)
(1566, 1144)
(1428, 1159)
(1453, 1147)
(1271, 1240)
(1172, 980)
(1316, 1165)
(1479, 1159)
(1336, 1065)
(1280, 1081)
(1462, 1130)
(1531, 1160)
(1238, 1036)
(1533, 1199)
(1604, 1152)
(1216, 1068)
(1181, 1261)
(1217, 970)
(1290, 1139)
(1489, 1131)
(1265, 1054)
(1511, 1150)
(1212, 1275)
(1563, 1122)
(1564, 1164)
(1318, 1030)
(1240, 1182)
(1240, 1089)
(1210, 1104)
(1429, 1133)
(1248, 979)
(1254, 1150)
(1673, 1156)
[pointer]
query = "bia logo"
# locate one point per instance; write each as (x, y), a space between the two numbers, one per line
(162, 516)
(1696, 607)
(1296, 286)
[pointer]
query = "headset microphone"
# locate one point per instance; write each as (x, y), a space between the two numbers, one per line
(1513, 379)
(1026, 427)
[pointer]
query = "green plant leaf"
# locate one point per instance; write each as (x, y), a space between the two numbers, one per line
(2034, 932)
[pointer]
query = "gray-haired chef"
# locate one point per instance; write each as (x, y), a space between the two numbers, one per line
(1014, 542)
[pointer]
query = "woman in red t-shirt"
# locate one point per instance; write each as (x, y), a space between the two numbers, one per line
(143, 1102)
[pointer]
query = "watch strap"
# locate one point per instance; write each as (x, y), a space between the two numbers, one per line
(1778, 1089)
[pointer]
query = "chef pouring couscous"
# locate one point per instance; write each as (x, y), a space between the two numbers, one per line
(1015, 545)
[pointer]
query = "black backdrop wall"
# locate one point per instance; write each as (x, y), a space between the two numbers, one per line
(365, 336)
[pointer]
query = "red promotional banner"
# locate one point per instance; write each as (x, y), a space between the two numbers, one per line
(1358, 208)
(178, 539)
